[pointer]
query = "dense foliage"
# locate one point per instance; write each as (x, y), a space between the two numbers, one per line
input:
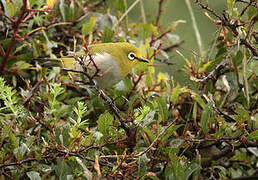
(151, 126)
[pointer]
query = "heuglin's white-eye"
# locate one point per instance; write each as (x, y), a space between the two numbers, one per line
(114, 60)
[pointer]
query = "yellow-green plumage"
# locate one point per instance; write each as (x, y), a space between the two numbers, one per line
(113, 60)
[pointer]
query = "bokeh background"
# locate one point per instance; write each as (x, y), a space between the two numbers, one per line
(175, 10)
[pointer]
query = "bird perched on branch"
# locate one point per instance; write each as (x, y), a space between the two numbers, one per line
(107, 63)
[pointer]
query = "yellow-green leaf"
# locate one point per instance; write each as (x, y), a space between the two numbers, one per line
(89, 26)
(253, 135)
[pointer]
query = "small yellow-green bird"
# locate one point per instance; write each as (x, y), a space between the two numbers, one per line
(114, 61)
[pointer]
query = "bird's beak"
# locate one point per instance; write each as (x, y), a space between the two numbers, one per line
(142, 60)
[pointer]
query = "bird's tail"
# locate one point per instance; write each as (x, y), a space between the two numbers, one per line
(66, 62)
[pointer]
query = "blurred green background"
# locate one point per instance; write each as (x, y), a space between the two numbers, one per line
(177, 10)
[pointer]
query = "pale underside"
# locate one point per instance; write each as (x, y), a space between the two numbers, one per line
(109, 73)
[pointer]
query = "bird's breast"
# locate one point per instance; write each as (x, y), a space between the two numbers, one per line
(109, 69)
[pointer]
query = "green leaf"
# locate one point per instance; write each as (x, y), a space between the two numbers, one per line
(192, 167)
(163, 109)
(175, 93)
(205, 66)
(149, 29)
(8, 8)
(121, 5)
(252, 12)
(242, 115)
(170, 131)
(89, 26)
(230, 4)
(195, 111)
(62, 134)
(13, 140)
(198, 99)
(149, 133)
(5, 133)
(62, 7)
(33, 175)
(253, 135)
(237, 59)
(36, 49)
(108, 35)
(205, 118)
(104, 122)
(177, 168)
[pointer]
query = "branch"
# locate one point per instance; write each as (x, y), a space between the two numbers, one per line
(233, 25)
(160, 10)
(219, 67)
(172, 47)
(16, 25)
(227, 150)
(251, 3)
(155, 140)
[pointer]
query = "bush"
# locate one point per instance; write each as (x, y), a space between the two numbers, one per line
(152, 126)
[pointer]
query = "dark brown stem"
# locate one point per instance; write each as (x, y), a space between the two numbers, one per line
(225, 21)
(13, 40)
(220, 66)
(252, 3)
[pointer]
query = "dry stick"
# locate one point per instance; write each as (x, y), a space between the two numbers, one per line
(13, 40)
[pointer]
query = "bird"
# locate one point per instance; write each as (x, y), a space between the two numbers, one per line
(113, 61)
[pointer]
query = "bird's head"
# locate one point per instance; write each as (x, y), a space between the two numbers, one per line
(127, 55)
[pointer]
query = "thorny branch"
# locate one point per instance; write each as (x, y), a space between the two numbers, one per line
(233, 25)
(16, 24)
(52, 154)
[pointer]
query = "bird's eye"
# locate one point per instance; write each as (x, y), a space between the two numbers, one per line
(131, 56)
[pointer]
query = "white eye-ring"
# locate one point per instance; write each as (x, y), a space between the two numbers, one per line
(131, 56)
